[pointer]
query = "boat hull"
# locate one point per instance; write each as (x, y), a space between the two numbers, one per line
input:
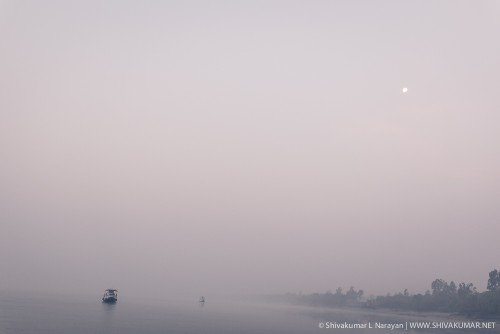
(109, 300)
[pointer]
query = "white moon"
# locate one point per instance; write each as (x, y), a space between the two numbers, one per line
(405, 89)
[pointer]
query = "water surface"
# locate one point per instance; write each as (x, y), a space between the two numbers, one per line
(69, 314)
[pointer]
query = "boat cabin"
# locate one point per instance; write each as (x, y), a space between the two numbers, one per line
(110, 296)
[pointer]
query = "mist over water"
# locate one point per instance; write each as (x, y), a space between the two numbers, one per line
(217, 148)
(66, 314)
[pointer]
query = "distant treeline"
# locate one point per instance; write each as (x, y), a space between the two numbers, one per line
(443, 297)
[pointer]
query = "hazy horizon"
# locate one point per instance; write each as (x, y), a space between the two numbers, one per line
(229, 147)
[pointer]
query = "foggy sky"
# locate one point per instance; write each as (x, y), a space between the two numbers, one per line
(204, 147)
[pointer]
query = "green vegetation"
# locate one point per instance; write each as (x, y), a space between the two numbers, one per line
(443, 297)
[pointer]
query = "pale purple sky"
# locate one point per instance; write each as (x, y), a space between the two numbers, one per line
(248, 146)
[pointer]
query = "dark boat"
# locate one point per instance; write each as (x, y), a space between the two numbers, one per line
(110, 296)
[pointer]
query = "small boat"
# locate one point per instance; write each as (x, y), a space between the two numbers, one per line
(110, 296)
(202, 299)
